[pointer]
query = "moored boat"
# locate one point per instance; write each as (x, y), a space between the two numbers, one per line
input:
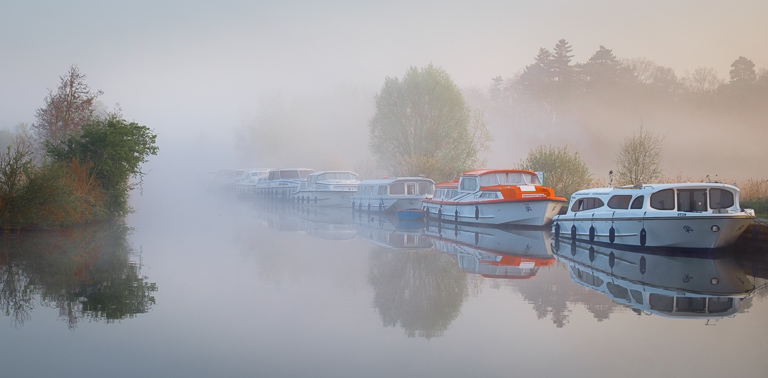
(328, 188)
(392, 194)
(250, 179)
(281, 183)
(683, 215)
(495, 197)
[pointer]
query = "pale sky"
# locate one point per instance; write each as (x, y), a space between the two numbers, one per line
(185, 65)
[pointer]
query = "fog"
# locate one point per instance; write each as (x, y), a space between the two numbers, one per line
(262, 83)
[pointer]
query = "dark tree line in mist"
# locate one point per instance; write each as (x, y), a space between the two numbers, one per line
(555, 89)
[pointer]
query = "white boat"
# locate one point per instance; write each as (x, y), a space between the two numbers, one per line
(328, 188)
(686, 215)
(392, 194)
(495, 197)
(281, 183)
(667, 283)
(246, 184)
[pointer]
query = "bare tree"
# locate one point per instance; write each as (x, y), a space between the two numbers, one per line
(66, 110)
(639, 158)
(702, 81)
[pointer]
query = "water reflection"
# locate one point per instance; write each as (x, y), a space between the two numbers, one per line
(494, 252)
(422, 292)
(86, 273)
(387, 231)
(659, 282)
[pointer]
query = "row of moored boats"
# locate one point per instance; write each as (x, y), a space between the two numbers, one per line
(684, 215)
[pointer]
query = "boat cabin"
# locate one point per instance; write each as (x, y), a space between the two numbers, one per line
(333, 180)
(289, 174)
(689, 197)
(399, 187)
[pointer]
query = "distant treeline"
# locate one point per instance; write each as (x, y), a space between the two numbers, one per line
(564, 90)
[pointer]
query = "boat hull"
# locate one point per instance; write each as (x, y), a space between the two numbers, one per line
(519, 212)
(693, 231)
(336, 198)
(386, 203)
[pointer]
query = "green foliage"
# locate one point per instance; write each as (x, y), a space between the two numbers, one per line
(117, 149)
(422, 126)
(639, 158)
(760, 205)
(564, 172)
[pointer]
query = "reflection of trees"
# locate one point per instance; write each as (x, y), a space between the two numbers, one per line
(421, 291)
(84, 272)
(552, 291)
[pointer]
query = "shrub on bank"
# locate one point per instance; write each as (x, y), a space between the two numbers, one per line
(86, 179)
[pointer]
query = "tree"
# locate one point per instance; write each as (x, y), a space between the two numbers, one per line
(561, 64)
(743, 71)
(422, 125)
(117, 149)
(702, 82)
(639, 158)
(537, 78)
(66, 110)
(564, 172)
(602, 69)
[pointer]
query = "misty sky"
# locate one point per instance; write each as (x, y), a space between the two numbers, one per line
(181, 66)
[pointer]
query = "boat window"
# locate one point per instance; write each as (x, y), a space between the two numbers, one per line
(304, 173)
(688, 304)
(468, 184)
(720, 198)
(290, 174)
(489, 195)
(512, 178)
(397, 188)
(382, 190)
(426, 187)
(720, 304)
(534, 180)
(636, 296)
(637, 203)
(661, 302)
(587, 204)
(491, 179)
(410, 188)
(692, 200)
(663, 200)
(619, 201)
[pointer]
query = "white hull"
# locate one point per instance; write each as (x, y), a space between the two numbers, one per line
(386, 203)
(518, 213)
(693, 230)
(336, 198)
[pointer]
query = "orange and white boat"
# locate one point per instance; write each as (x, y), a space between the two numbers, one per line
(495, 197)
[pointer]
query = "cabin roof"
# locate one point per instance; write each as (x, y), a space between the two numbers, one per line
(390, 180)
(448, 185)
(485, 171)
(650, 188)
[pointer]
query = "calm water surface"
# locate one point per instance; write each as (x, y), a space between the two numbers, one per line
(199, 285)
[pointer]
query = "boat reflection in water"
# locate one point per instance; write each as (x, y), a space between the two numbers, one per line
(659, 282)
(329, 223)
(494, 252)
(386, 230)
